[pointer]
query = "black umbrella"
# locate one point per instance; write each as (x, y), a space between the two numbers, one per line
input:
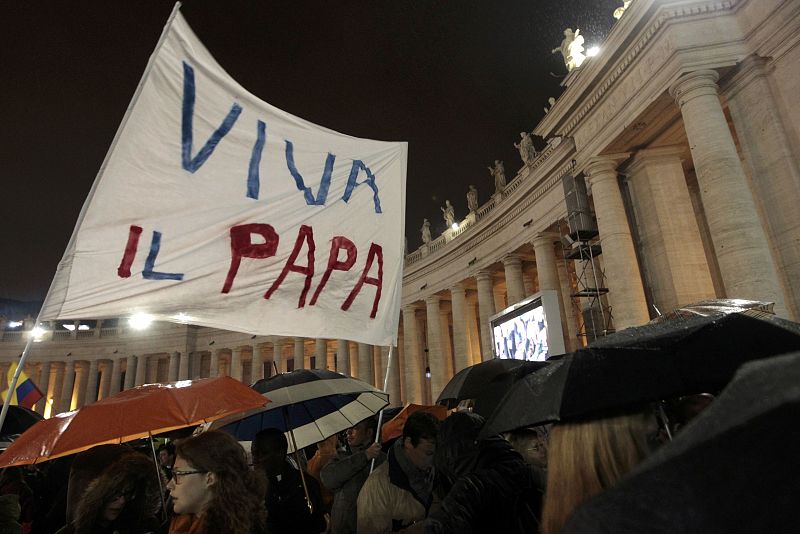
(734, 468)
(485, 383)
(18, 420)
(641, 364)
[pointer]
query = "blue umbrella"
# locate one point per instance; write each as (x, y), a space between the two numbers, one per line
(308, 405)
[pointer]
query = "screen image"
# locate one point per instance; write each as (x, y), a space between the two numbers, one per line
(522, 337)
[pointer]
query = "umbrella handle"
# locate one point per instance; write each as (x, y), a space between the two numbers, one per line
(380, 415)
(158, 477)
(297, 459)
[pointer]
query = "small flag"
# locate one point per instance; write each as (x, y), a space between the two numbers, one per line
(26, 393)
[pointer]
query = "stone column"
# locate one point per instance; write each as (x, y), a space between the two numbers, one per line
(447, 346)
(116, 374)
(236, 363)
(413, 359)
(461, 355)
(473, 329)
(547, 272)
(515, 285)
(183, 365)
(435, 356)
(130, 371)
(742, 249)
(151, 376)
(767, 151)
(486, 309)
(299, 353)
(530, 285)
(571, 331)
(105, 380)
(343, 356)
(277, 355)
(68, 387)
(672, 249)
(320, 353)
(174, 360)
(213, 368)
(365, 371)
(141, 369)
(44, 386)
(58, 388)
(626, 292)
(91, 383)
(81, 379)
(256, 364)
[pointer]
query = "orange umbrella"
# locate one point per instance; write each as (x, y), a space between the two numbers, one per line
(132, 414)
(394, 428)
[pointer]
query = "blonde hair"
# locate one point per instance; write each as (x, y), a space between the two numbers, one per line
(588, 456)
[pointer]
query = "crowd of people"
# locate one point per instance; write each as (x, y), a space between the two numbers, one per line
(437, 477)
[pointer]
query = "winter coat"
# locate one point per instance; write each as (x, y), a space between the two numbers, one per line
(345, 474)
(9, 512)
(100, 473)
(498, 493)
(287, 510)
(387, 502)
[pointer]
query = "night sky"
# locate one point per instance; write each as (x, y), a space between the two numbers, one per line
(457, 79)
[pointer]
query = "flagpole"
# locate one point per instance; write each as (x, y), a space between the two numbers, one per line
(12, 386)
(380, 415)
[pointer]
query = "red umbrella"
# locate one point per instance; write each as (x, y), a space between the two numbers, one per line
(132, 414)
(394, 428)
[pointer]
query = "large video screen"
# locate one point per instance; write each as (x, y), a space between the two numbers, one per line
(523, 332)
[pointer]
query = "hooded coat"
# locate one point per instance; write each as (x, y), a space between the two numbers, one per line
(97, 476)
(493, 490)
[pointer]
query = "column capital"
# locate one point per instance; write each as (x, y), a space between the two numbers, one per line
(458, 287)
(483, 275)
(512, 260)
(693, 84)
(649, 156)
(411, 308)
(544, 239)
(604, 166)
(433, 299)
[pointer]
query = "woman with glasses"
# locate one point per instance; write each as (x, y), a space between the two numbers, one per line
(213, 488)
(112, 490)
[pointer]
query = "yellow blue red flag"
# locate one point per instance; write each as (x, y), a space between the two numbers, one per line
(26, 393)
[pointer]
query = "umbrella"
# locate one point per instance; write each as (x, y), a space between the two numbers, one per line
(18, 420)
(132, 414)
(394, 427)
(313, 404)
(485, 382)
(641, 364)
(717, 307)
(732, 469)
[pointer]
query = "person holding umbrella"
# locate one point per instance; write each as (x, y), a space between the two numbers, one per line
(213, 488)
(112, 489)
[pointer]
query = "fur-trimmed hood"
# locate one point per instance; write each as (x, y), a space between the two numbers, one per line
(101, 473)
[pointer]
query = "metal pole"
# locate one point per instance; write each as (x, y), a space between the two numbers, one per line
(158, 476)
(380, 415)
(297, 459)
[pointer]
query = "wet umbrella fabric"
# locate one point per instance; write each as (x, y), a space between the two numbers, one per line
(132, 414)
(642, 364)
(314, 404)
(18, 420)
(717, 307)
(486, 383)
(734, 468)
(393, 428)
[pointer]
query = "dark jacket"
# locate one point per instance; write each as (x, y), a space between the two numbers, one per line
(345, 474)
(97, 475)
(494, 490)
(287, 510)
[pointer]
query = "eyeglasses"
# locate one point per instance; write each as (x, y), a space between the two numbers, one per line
(176, 475)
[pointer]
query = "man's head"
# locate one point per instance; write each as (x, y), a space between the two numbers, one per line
(362, 434)
(419, 439)
(269, 451)
(166, 455)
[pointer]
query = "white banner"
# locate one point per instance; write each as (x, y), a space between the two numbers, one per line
(216, 209)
